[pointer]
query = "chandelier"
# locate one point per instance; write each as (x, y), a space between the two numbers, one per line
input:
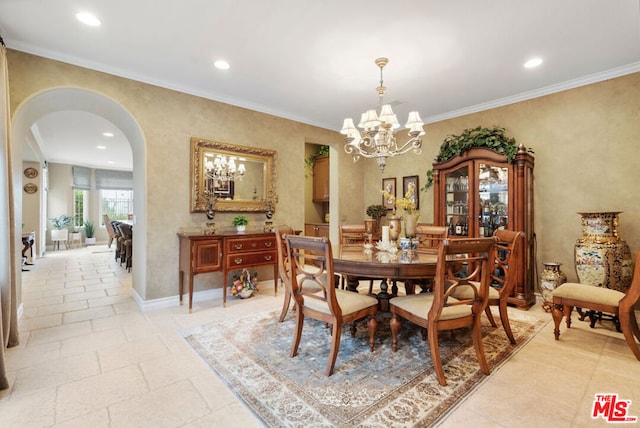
(222, 170)
(378, 139)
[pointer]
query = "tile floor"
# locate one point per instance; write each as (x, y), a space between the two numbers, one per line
(90, 357)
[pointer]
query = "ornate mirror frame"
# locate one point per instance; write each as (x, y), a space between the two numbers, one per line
(199, 202)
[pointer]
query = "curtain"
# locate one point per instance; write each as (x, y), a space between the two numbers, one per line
(8, 264)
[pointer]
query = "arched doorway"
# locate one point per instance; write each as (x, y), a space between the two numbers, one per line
(65, 99)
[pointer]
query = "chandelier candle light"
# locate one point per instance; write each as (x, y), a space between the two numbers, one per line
(378, 139)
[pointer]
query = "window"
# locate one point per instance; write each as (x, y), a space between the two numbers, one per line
(117, 204)
(116, 194)
(80, 206)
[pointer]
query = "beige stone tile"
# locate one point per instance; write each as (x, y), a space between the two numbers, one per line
(131, 353)
(92, 342)
(30, 410)
(63, 291)
(467, 418)
(64, 331)
(119, 320)
(234, 415)
(108, 300)
(55, 372)
(171, 406)
(62, 307)
(96, 392)
(98, 419)
(84, 296)
(37, 323)
(172, 368)
(88, 314)
(26, 356)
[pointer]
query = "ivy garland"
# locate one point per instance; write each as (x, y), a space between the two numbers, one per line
(491, 138)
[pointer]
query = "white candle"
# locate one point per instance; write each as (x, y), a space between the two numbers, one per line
(385, 234)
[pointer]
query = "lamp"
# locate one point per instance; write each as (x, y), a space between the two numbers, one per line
(378, 139)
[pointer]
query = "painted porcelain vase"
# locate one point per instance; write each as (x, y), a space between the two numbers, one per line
(602, 258)
(550, 279)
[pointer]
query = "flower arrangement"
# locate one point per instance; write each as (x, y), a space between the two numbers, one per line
(244, 283)
(405, 205)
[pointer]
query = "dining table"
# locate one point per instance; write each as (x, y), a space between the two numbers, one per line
(357, 261)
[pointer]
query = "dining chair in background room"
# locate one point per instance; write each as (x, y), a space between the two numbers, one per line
(109, 227)
(601, 299)
(429, 239)
(503, 277)
(311, 261)
(284, 267)
(353, 236)
(438, 311)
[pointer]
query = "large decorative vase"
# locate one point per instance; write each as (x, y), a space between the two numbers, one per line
(410, 221)
(394, 227)
(602, 258)
(550, 279)
(370, 226)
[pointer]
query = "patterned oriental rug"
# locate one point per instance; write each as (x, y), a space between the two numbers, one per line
(379, 389)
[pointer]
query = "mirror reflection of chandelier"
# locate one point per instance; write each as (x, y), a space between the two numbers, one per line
(222, 170)
(378, 139)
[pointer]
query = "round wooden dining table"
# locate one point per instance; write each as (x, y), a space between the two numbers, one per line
(356, 261)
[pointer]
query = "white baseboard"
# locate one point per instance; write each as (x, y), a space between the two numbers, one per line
(172, 301)
(198, 296)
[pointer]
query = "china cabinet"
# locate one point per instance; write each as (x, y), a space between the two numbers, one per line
(478, 192)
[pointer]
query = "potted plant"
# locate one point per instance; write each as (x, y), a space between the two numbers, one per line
(89, 229)
(491, 138)
(376, 212)
(60, 224)
(240, 222)
(311, 160)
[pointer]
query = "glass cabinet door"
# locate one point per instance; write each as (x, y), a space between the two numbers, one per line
(457, 201)
(493, 191)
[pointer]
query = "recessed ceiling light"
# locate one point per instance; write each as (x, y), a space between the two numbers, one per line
(107, 134)
(88, 19)
(221, 65)
(111, 162)
(101, 147)
(533, 62)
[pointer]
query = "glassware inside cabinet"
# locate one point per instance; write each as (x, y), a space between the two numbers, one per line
(457, 197)
(493, 186)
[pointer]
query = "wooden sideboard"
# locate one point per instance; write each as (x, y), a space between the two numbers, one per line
(226, 252)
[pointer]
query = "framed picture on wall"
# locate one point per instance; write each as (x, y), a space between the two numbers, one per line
(389, 185)
(411, 180)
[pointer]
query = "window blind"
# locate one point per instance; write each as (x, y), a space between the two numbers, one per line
(114, 180)
(81, 178)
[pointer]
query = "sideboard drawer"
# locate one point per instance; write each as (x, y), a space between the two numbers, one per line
(238, 261)
(248, 244)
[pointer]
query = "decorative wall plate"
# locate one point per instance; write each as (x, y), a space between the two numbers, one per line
(30, 188)
(31, 172)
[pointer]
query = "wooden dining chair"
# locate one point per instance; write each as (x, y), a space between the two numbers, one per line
(503, 277)
(601, 299)
(438, 310)
(110, 231)
(429, 239)
(284, 267)
(311, 261)
(354, 236)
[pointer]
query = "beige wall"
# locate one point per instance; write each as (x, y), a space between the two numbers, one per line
(168, 120)
(586, 151)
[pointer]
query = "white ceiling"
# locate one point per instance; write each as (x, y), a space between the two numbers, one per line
(313, 61)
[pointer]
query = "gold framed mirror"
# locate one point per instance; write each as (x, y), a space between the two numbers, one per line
(253, 187)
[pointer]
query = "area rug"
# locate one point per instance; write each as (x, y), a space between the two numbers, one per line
(379, 389)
